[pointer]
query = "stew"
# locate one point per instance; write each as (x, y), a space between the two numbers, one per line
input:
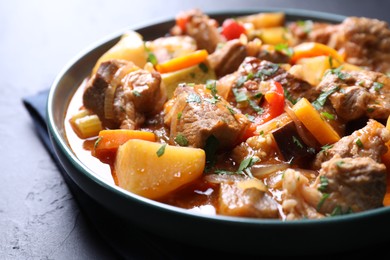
(254, 117)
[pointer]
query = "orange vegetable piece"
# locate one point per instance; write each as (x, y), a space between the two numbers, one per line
(109, 141)
(386, 161)
(311, 119)
(183, 62)
(313, 49)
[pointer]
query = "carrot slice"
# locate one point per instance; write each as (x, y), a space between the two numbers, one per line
(313, 49)
(109, 141)
(311, 119)
(183, 62)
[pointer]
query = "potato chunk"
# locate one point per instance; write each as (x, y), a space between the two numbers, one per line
(151, 170)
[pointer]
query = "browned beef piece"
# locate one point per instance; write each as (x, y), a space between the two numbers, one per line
(197, 114)
(370, 141)
(359, 94)
(202, 28)
(273, 56)
(95, 92)
(266, 71)
(309, 31)
(251, 202)
(228, 58)
(352, 184)
(365, 42)
(135, 93)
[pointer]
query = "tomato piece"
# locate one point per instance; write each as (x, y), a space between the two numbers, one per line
(232, 29)
(181, 21)
(275, 99)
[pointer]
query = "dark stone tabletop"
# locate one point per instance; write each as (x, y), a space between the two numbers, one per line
(39, 217)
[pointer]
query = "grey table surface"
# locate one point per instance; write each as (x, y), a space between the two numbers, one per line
(39, 218)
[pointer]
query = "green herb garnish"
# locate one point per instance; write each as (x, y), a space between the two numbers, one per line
(239, 95)
(136, 93)
(203, 67)
(284, 48)
(328, 115)
(324, 182)
(322, 201)
(161, 150)
(377, 86)
(152, 58)
(321, 100)
(194, 98)
(181, 140)
(97, 142)
(297, 142)
(359, 143)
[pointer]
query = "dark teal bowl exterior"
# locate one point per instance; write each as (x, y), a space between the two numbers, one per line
(254, 236)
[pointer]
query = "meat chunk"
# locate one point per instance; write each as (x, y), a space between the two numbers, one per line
(266, 71)
(370, 141)
(358, 93)
(351, 184)
(196, 113)
(235, 200)
(364, 41)
(202, 28)
(227, 59)
(122, 95)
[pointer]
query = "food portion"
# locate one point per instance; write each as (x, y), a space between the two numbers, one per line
(254, 116)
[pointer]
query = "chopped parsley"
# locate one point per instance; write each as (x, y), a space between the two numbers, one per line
(269, 71)
(203, 67)
(212, 86)
(256, 107)
(136, 93)
(258, 95)
(330, 59)
(212, 100)
(97, 142)
(328, 115)
(179, 115)
(240, 81)
(321, 100)
(181, 140)
(152, 58)
(377, 86)
(239, 95)
(307, 26)
(244, 167)
(324, 182)
(337, 71)
(231, 110)
(322, 201)
(161, 150)
(284, 48)
(340, 163)
(250, 118)
(359, 143)
(246, 164)
(326, 147)
(193, 98)
(297, 142)
(288, 96)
